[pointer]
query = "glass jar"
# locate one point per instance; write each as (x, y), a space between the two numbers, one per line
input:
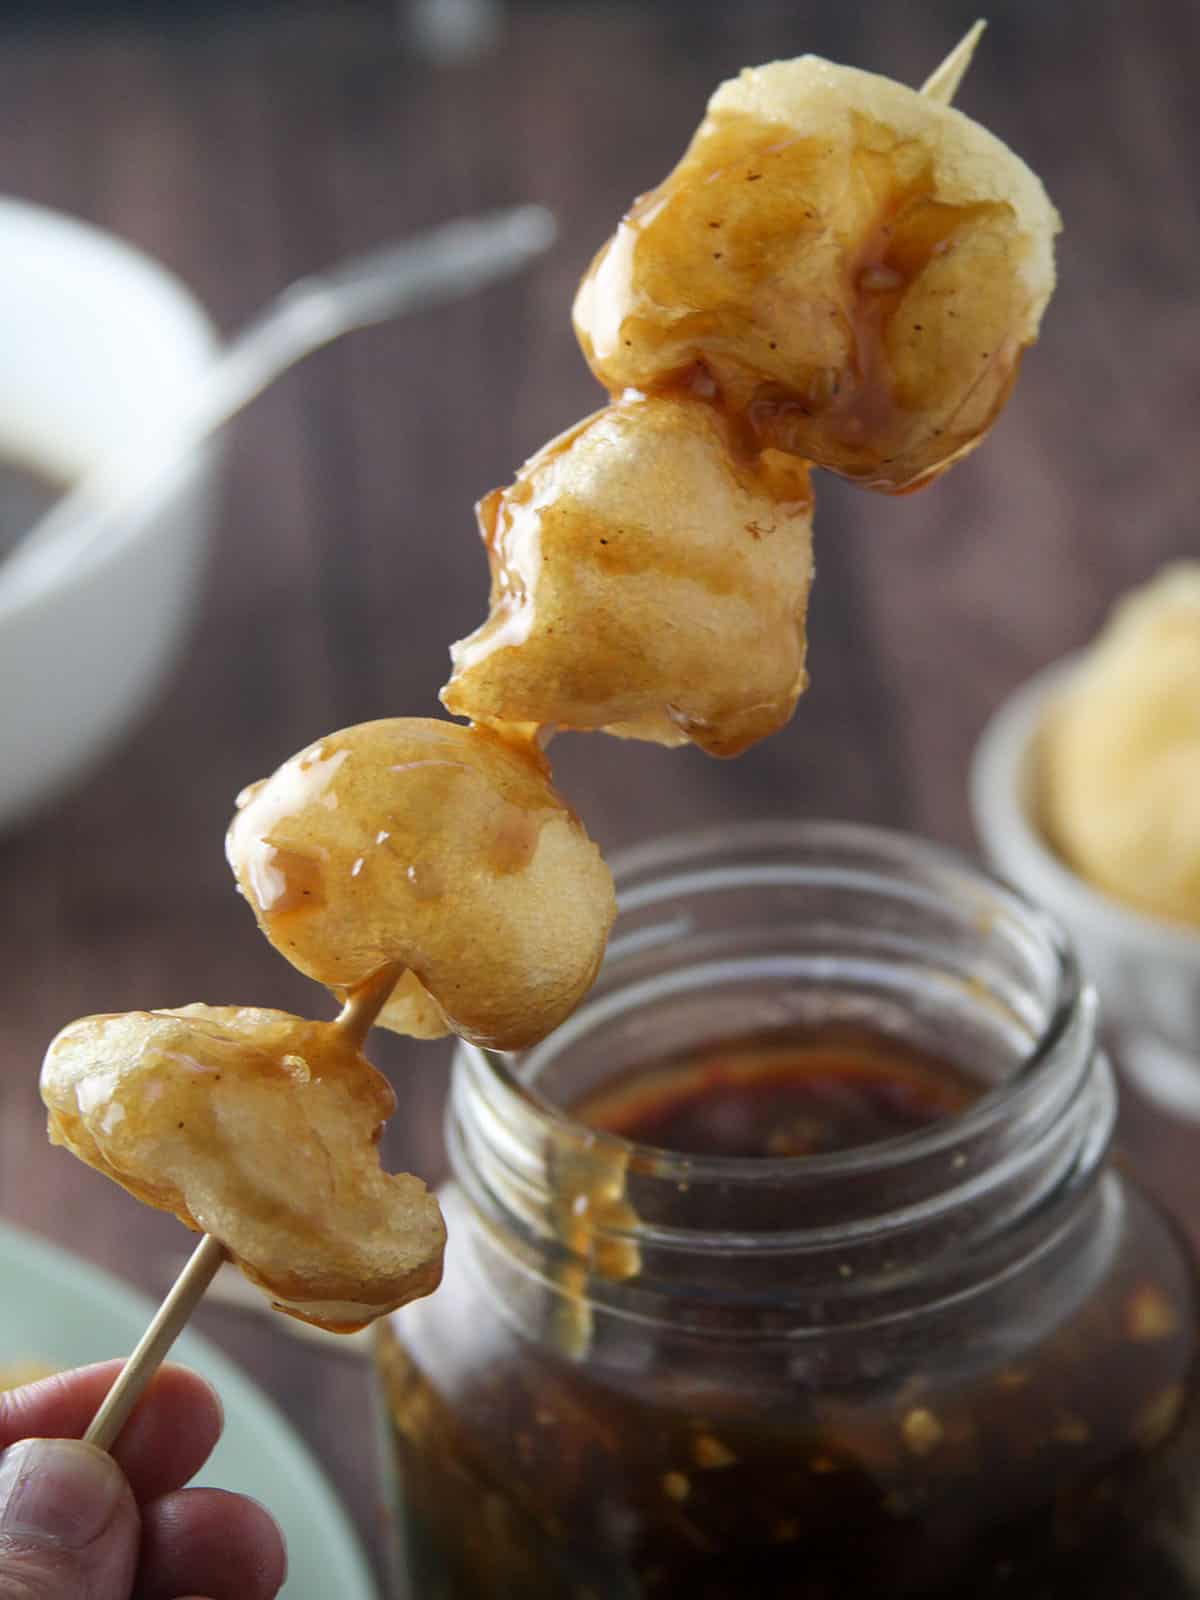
(959, 1362)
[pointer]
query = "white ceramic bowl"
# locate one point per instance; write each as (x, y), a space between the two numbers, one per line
(97, 343)
(1147, 972)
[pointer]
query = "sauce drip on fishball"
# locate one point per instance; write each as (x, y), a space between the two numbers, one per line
(854, 267)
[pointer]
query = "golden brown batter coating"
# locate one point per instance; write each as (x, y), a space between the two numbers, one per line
(442, 849)
(852, 268)
(261, 1129)
(645, 581)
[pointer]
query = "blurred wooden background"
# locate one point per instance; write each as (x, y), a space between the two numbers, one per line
(246, 148)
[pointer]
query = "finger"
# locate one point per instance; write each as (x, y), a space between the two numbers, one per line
(68, 1523)
(208, 1542)
(59, 1407)
(170, 1433)
(166, 1441)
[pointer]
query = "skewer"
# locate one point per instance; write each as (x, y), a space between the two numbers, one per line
(354, 1022)
(357, 1017)
(169, 1320)
(942, 83)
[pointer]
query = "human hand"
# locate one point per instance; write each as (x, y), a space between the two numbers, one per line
(76, 1524)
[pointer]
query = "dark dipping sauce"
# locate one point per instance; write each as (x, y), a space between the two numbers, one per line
(27, 492)
(771, 1097)
(1039, 1441)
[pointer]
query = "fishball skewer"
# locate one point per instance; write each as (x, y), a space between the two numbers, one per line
(927, 211)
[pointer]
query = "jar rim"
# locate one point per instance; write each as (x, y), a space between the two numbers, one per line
(642, 874)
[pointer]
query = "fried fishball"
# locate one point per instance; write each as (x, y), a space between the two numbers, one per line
(1120, 754)
(434, 848)
(260, 1129)
(645, 581)
(853, 268)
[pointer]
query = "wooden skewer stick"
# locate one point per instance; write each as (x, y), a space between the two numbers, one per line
(942, 83)
(363, 1005)
(185, 1295)
(354, 1021)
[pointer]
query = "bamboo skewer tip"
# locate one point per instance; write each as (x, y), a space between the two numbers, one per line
(363, 1005)
(943, 82)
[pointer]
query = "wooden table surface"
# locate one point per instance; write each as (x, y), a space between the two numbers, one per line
(244, 153)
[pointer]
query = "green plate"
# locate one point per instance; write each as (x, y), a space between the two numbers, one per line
(58, 1309)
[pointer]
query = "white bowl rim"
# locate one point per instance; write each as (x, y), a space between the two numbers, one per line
(998, 769)
(178, 301)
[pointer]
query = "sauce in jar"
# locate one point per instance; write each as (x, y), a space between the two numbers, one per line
(863, 1307)
(795, 1095)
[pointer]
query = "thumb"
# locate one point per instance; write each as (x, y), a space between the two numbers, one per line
(69, 1527)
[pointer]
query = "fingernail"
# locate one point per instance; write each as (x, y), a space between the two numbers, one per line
(57, 1491)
